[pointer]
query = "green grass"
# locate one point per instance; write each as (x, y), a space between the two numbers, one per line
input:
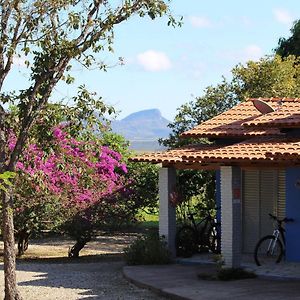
(149, 217)
(150, 224)
(148, 220)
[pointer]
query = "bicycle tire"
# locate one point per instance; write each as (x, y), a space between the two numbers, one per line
(186, 241)
(262, 254)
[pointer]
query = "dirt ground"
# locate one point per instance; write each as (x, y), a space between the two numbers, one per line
(46, 272)
(58, 246)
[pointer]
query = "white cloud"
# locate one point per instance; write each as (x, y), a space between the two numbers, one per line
(154, 61)
(200, 22)
(252, 52)
(283, 16)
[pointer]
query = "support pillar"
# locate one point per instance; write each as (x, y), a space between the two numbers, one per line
(167, 212)
(231, 238)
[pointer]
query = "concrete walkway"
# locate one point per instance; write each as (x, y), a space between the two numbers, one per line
(180, 281)
(283, 270)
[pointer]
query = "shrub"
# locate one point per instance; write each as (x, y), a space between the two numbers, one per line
(148, 250)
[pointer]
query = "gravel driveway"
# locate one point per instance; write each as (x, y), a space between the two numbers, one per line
(70, 281)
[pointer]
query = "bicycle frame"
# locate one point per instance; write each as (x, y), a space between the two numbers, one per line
(272, 243)
(276, 233)
(208, 222)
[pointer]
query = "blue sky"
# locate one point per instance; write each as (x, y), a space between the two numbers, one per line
(166, 67)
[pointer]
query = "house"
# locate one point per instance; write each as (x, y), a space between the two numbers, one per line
(256, 155)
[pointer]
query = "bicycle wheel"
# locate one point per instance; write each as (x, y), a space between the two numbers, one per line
(186, 241)
(268, 251)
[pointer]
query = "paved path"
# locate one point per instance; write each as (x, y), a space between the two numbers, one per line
(181, 282)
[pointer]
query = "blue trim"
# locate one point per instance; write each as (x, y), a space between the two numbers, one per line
(293, 211)
(218, 200)
(218, 194)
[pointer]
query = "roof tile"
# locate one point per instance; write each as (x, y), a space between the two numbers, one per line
(263, 141)
(267, 149)
(174, 155)
(286, 115)
(229, 123)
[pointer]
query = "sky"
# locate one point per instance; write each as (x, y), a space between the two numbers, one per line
(166, 67)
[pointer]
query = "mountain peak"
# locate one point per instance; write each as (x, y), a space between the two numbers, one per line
(147, 113)
(144, 125)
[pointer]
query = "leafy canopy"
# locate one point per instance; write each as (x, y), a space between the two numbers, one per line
(291, 45)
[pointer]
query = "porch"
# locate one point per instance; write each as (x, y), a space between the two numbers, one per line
(282, 271)
(243, 138)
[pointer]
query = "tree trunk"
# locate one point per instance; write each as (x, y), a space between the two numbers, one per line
(23, 238)
(74, 251)
(11, 291)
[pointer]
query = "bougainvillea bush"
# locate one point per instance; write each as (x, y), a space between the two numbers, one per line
(70, 183)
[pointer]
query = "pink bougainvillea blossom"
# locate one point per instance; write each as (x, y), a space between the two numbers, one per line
(75, 170)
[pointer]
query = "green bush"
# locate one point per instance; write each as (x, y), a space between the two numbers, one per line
(148, 250)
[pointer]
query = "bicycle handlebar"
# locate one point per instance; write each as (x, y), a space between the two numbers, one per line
(286, 220)
(206, 209)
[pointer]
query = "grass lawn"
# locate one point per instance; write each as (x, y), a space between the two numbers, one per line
(149, 221)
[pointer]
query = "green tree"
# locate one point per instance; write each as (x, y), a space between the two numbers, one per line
(143, 182)
(291, 45)
(215, 100)
(51, 35)
(35, 208)
(271, 76)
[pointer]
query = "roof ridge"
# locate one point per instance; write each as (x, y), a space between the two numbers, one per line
(287, 99)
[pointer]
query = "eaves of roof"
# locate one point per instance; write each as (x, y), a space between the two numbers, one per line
(258, 149)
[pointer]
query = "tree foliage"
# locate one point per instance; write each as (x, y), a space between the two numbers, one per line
(291, 45)
(268, 77)
(50, 36)
(67, 179)
(215, 100)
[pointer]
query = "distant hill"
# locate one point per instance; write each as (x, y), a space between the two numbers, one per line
(143, 129)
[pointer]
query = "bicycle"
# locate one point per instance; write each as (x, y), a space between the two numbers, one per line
(198, 237)
(271, 248)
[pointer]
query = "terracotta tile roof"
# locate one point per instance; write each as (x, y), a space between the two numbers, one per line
(263, 143)
(254, 149)
(287, 150)
(258, 149)
(287, 115)
(174, 155)
(229, 123)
